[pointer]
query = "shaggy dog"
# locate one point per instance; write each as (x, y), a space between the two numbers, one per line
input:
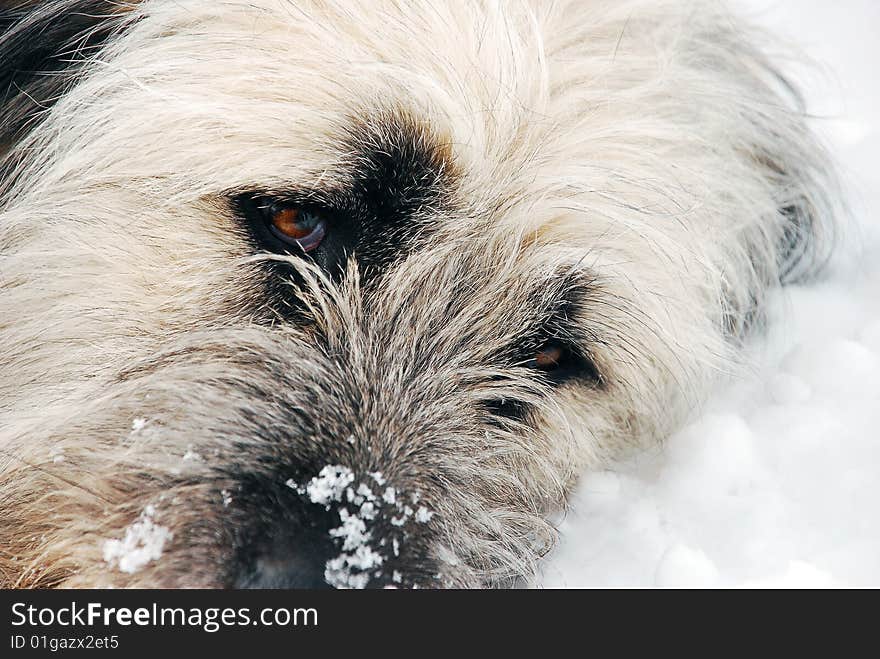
(330, 293)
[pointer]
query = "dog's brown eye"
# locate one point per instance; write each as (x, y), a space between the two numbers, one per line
(303, 227)
(549, 357)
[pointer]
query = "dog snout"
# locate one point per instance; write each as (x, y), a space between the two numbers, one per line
(337, 529)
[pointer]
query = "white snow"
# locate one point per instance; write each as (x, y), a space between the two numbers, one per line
(353, 531)
(359, 508)
(389, 495)
(339, 571)
(329, 485)
(143, 542)
(191, 455)
(777, 482)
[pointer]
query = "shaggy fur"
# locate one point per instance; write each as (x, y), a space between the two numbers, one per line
(625, 177)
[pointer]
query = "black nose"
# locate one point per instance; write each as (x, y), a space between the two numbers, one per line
(293, 560)
(283, 540)
(328, 535)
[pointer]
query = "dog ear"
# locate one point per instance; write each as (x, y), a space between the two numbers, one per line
(44, 45)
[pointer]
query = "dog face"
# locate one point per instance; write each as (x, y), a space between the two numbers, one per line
(304, 294)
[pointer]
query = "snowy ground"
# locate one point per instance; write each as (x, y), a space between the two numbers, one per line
(777, 482)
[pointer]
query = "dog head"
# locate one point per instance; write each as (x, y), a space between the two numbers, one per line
(301, 294)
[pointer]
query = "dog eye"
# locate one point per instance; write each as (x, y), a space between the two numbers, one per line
(562, 362)
(292, 225)
(550, 357)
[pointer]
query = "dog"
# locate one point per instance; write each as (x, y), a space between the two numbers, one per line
(321, 293)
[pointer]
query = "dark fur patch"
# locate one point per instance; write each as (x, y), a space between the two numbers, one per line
(401, 182)
(553, 325)
(44, 45)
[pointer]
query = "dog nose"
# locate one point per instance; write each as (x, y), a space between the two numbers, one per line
(297, 561)
(334, 531)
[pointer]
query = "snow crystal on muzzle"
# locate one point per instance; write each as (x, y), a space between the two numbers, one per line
(361, 556)
(143, 542)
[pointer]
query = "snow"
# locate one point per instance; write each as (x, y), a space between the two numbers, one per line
(191, 455)
(423, 515)
(359, 508)
(777, 482)
(389, 495)
(329, 485)
(143, 542)
(353, 531)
